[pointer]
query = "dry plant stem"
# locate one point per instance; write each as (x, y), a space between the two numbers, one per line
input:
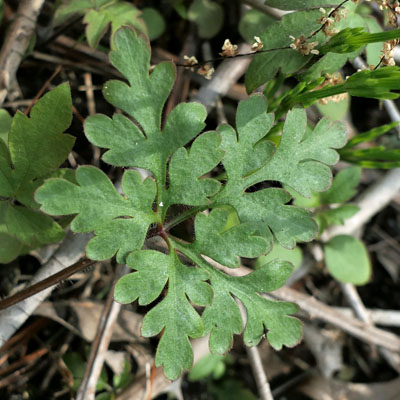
(361, 312)
(42, 89)
(226, 75)
(71, 250)
(16, 43)
(89, 93)
(372, 200)
(377, 316)
(263, 387)
(45, 283)
(87, 389)
(94, 67)
(354, 300)
(253, 354)
(69, 43)
(356, 328)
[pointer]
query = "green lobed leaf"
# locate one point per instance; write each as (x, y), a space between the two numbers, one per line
(301, 4)
(301, 160)
(174, 315)
(44, 148)
(187, 168)
(147, 283)
(36, 147)
(115, 14)
(222, 319)
(225, 244)
(143, 99)
(264, 66)
(208, 16)
(347, 260)
(32, 227)
(120, 223)
(265, 209)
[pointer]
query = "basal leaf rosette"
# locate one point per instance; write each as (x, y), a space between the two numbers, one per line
(236, 215)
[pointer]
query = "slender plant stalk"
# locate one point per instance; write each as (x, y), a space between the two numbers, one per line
(45, 283)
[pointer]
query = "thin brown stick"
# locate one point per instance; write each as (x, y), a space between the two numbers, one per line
(253, 53)
(30, 358)
(87, 389)
(78, 114)
(42, 89)
(45, 283)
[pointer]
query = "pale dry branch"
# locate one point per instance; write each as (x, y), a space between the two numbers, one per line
(69, 252)
(16, 43)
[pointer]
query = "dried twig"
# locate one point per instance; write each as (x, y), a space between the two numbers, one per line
(377, 316)
(71, 250)
(16, 43)
(263, 387)
(226, 75)
(87, 389)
